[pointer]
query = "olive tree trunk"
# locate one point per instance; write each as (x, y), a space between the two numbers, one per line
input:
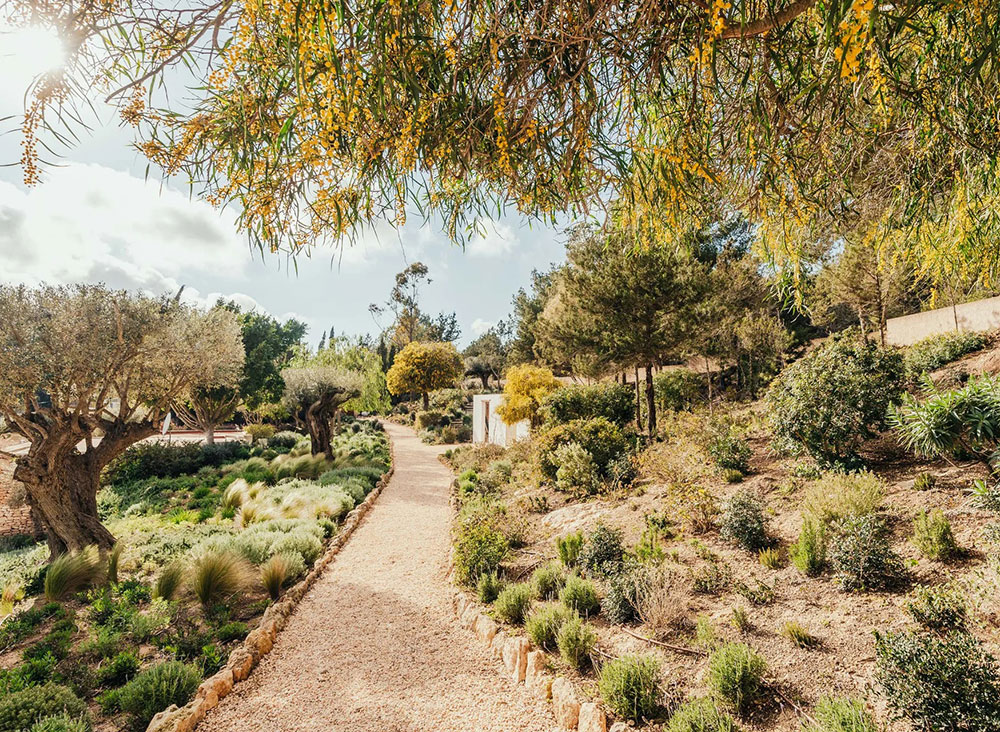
(650, 400)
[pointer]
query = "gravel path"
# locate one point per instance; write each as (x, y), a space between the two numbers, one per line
(375, 646)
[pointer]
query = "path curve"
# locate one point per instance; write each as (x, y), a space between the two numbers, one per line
(374, 646)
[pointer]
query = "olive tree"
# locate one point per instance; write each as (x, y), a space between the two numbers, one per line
(315, 393)
(207, 408)
(85, 372)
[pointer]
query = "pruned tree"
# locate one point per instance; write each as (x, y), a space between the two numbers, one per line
(206, 408)
(421, 368)
(315, 394)
(85, 372)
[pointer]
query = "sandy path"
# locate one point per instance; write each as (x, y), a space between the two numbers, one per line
(375, 645)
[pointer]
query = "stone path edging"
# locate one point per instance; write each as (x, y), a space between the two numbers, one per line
(260, 640)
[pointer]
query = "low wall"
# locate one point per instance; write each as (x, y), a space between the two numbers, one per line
(971, 316)
(14, 519)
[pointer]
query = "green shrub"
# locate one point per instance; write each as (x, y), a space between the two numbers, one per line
(808, 553)
(576, 640)
(932, 535)
(632, 687)
(168, 460)
(835, 397)
(938, 607)
(736, 675)
(232, 631)
(860, 554)
(429, 419)
(61, 723)
(938, 682)
(72, 572)
(677, 389)
(624, 592)
(569, 547)
(700, 715)
(705, 634)
(729, 451)
(21, 709)
(479, 550)
(743, 522)
(16, 628)
(543, 625)
(117, 670)
(602, 439)
(514, 601)
(580, 595)
(577, 473)
(610, 400)
(603, 551)
(217, 576)
(840, 715)
(488, 587)
(935, 351)
(259, 432)
(548, 580)
(156, 688)
(284, 440)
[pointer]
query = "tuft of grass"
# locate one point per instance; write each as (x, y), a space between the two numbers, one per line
(932, 535)
(735, 675)
(114, 559)
(217, 576)
(580, 595)
(741, 620)
(488, 587)
(797, 634)
(840, 715)
(704, 632)
(700, 715)
(632, 687)
(808, 554)
(548, 580)
(274, 573)
(770, 558)
(837, 496)
(514, 601)
(925, 482)
(72, 572)
(544, 624)
(170, 579)
(576, 640)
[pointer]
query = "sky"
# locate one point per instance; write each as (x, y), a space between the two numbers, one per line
(95, 217)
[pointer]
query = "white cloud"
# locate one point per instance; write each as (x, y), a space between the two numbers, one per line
(92, 223)
(480, 326)
(496, 241)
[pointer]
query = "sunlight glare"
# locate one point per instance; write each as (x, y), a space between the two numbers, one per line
(30, 52)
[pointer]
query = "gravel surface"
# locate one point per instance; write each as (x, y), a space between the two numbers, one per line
(375, 644)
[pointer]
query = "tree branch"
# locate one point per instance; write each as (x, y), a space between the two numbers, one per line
(764, 25)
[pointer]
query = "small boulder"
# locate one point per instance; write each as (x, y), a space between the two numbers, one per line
(565, 703)
(592, 718)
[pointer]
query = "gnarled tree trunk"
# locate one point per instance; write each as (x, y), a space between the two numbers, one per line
(318, 423)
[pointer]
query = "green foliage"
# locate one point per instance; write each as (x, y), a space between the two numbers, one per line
(632, 687)
(21, 709)
(602, 439)
(429, 419)
(705, 634)
(840, 715)
(938, 607)
(423, 367)
(217, 576)
(231, 631)
(581, 596)
(71, 572)
(577, 472)
(770, 558)
(624, 593)
(576, 640)
(729, 451)
(479, 540)
(834, 397)
(610, 400)
(514, 601)
(932, 535)
(569, 548)
(488, 587)
(61, 723)
(677, 389)
(603, 551)
(841, 495)
(117, 670)
(938, 682)
(743, 522)
(284, 440)
(544, 623)
(860, 554)
(808, 553)
(925, 482)
(935, 351)
(548, 580)
(16, 628)
(259, 432)
(798, 635)
(169, 460)
(156, 688)
(700, 715)
(169, 581)
(736, 675)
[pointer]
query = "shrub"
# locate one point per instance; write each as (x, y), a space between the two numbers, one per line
(624, 592)
(543, 625)
(603, 551)
(938, 682)
(662, 604)
(743, 522)
(610, 400)
(840, 715)
(735, 675)
(838, 495)
(548, 580)
(429, 419)
(677, 389)
(741, 619)
(602, 439)
(169, 581)
(808, 553)
(156, 688)
(729, 451)
(117, 670)
(231, 631)
(21, 709)
(798, 635)
(835, 397)
(935, 351)
(488, 587)
(938, 607)
(632, 687)
(932, 535)
(72, 572)
(704, 632)
(861, 556)
(580, 595)
(61, 723)
(479, 550)
(577, 472)
(284, 440)
(576, 639)
(217, 576)
(700, 715)
(514, 601)
(569, 547)
(259, 432)
(925, 482)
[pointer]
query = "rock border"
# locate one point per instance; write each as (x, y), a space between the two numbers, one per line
(260, 640)
(529, 665)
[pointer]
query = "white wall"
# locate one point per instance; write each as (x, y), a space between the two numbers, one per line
(971, 316)
(487, 426)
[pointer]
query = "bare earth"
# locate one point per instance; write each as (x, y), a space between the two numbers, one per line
(375, 645)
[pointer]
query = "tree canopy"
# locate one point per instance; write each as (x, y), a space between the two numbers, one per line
(423, 367)
(315, 394)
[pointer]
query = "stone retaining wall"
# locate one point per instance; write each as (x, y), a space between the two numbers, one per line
(14, 519)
